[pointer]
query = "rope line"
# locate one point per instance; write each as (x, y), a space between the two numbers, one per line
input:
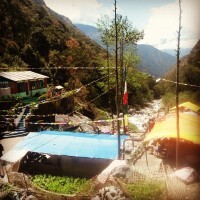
(1, 68)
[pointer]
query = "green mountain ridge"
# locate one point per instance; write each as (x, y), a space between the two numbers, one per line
(30, 31)
(189, 75)
(189, 67)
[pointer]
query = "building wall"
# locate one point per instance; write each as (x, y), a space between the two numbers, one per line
(83, 167)
(13, 88)
(23, 94)
(5, 91)
(29, 90)
(65, 166)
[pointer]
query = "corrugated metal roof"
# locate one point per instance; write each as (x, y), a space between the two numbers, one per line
(22, 75)
(75, 144)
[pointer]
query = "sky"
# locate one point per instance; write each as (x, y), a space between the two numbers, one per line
(157, 18)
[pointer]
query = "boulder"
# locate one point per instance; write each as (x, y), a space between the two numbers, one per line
(19, 179)
(110, 193)
(124, 172)
(31, 197)
(186, 174)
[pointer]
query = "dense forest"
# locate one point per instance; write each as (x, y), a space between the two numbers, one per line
(33, 37)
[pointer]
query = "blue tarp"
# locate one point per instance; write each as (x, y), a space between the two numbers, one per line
(87, 145)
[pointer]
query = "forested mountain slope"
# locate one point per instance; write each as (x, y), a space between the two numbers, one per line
(189, 74)
(33, 37)
(189, 67)
(154, 61)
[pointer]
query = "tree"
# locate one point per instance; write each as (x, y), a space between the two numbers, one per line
(127, 36)
(118, 31)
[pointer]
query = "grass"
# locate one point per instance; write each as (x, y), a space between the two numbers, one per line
(63, 185)
(132, 127)
(146, 190)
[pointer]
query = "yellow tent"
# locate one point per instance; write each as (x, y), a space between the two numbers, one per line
(188, 105)
(189, 124)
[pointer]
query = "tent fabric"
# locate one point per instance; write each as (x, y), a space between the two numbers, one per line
(189, 124)
(103, 146)
(188, 105)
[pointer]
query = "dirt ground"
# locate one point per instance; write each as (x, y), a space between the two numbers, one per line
(9, 143)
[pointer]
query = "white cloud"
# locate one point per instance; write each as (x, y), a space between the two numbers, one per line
(162, 27)
(84, 11)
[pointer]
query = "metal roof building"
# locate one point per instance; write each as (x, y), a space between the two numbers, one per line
(22, 84)
(22, 75)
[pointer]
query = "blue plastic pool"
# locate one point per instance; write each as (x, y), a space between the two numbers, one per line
(76, 144)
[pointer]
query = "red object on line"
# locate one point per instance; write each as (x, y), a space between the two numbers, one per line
(125, 99)
(125, 96)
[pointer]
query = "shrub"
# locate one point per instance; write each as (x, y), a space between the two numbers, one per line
(64, 185)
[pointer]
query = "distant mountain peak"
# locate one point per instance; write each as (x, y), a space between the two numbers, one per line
(183, 51)
(40, 2)
(152, 60)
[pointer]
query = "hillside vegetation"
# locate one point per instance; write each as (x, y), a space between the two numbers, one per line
(33, 37)
(189, 75)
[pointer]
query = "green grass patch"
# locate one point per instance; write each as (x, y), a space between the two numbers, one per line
(146, 190)
(62, 184)
(132, 127)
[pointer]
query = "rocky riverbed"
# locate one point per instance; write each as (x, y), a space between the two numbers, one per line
(140, 118)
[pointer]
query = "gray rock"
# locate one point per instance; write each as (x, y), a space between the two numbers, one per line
(110, 193)
(96, 198)
(31, 197)
(124, 172)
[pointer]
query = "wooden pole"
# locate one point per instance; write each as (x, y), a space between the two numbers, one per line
(117, 81)
(109, 98)
(177, 89)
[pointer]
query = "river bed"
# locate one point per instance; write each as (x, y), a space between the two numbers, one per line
(141, 118)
